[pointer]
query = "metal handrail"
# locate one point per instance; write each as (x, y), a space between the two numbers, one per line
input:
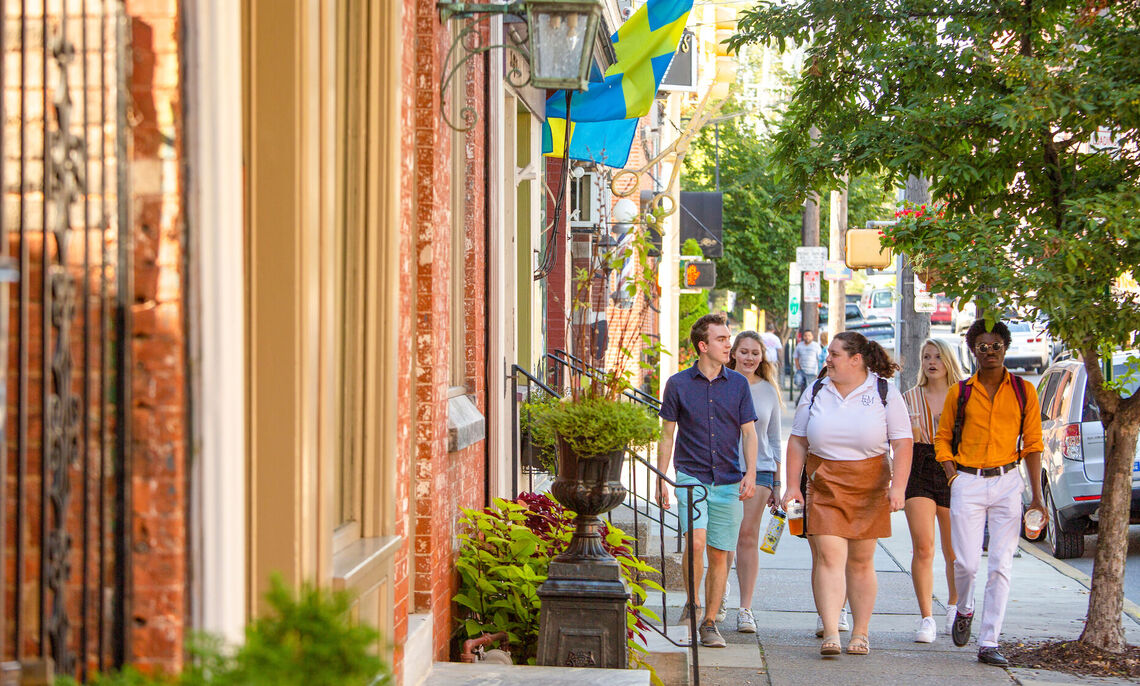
(582, 367)
(641, 504)
(694, 500)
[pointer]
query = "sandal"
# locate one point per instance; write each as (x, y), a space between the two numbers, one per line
(830, 646)
(858, 645)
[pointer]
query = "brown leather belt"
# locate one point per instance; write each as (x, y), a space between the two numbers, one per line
(988, 471)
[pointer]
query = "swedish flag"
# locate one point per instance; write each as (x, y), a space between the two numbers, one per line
(603, 118)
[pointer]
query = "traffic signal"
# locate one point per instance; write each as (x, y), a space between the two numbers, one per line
(864, 250)
(700, 274)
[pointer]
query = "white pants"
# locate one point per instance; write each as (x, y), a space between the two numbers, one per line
(972, 499)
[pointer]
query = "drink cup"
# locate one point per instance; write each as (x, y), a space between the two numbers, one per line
(1034, 522)
(796, 518)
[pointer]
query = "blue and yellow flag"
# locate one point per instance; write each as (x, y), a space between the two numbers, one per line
(603, 118)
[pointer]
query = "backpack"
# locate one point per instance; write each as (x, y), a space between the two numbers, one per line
(964, 391)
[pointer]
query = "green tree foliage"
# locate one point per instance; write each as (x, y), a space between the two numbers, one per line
(761, 225)
(762, 215)
(997, 103)
(692, 307)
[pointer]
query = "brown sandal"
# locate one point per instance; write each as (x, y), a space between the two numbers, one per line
(858, 645)
(830, 646)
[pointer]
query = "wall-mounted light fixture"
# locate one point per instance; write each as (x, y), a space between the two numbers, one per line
(557, 45)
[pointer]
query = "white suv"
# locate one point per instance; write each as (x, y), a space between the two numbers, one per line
(1073, 459)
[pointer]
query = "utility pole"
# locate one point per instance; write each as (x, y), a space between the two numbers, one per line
(809, 237)
(912, 327)
(837, 290)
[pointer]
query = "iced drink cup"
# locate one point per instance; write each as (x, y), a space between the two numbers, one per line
(796, 518)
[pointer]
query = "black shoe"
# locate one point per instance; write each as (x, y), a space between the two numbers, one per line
(989, 655)
(961, 631)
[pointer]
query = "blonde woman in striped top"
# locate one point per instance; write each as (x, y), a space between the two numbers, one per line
(927, 492)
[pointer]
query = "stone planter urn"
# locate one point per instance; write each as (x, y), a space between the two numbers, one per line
(584, 598)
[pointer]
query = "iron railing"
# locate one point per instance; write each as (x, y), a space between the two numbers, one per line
(64, 524)
(641, 504)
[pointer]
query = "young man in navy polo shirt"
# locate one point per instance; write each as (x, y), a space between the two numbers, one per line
(712, 406)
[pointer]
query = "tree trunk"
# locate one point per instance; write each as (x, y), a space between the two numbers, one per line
(913, 327)
(1103, 627)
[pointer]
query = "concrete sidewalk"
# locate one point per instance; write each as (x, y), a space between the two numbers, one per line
(1043, 604)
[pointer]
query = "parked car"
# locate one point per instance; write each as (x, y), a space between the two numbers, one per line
(881, 331)
(943, 311)
(878, 302)
(1030, 349)
(853, 315)
(1073, 459)
(964, 314)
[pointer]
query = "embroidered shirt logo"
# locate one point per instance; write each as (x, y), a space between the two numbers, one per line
(866, 400)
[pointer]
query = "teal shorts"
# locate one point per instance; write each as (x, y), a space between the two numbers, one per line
(719, 514)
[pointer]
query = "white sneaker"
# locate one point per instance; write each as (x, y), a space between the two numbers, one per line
(722, 613)
(951, 612)
(843, 624)
(745, 622)
(927, 630)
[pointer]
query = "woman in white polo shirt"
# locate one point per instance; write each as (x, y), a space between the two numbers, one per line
(841, 435)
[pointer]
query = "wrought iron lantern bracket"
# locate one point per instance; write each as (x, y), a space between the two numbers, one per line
(575, 22)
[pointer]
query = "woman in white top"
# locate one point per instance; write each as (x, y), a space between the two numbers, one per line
(927, 491)
(747, 357)
(842, 436)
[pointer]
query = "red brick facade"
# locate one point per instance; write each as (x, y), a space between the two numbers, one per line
(159, 597)
(440, 482)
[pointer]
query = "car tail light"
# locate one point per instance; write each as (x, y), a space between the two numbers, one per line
(1071, 447)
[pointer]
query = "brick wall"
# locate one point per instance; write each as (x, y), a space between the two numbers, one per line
(158, 445)
(441, 482)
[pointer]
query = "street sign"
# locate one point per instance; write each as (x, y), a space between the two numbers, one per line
(923, 300)
(793, 273)
(811, 259)
(794, 314)
(836, 270)
(811, 287)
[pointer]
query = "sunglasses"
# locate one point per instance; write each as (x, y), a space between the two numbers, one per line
(989, 347)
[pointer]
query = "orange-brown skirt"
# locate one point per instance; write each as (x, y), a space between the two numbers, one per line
(848, 498)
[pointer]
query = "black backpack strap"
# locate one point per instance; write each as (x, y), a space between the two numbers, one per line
(964, 390)
(1018, 385)
(883, 390)
(815, 391)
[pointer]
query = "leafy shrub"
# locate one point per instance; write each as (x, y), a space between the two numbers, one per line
(504, 557)
(596, 426)
(305, 639)
(544, 444)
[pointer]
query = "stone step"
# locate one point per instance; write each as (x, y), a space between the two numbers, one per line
(482, 674)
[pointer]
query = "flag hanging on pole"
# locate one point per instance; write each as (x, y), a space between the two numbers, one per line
(603, 118)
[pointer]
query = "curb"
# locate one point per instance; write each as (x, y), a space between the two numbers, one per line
(1130, 608)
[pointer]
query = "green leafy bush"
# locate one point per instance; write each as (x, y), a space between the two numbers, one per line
(503, 559)
(305, 639)
(543, 444)
(596, 426)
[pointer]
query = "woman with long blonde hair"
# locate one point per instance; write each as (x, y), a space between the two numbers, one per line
(747, 357)
(927, 492)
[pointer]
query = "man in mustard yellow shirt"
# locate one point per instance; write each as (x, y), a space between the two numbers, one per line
(1000, 425)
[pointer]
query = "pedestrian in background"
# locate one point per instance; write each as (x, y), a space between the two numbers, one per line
(990, 422)
(822, 350)
(709, 408)
(748, 358)
(806, 359)
(927, 492)
(843, 428)
(773, 350)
